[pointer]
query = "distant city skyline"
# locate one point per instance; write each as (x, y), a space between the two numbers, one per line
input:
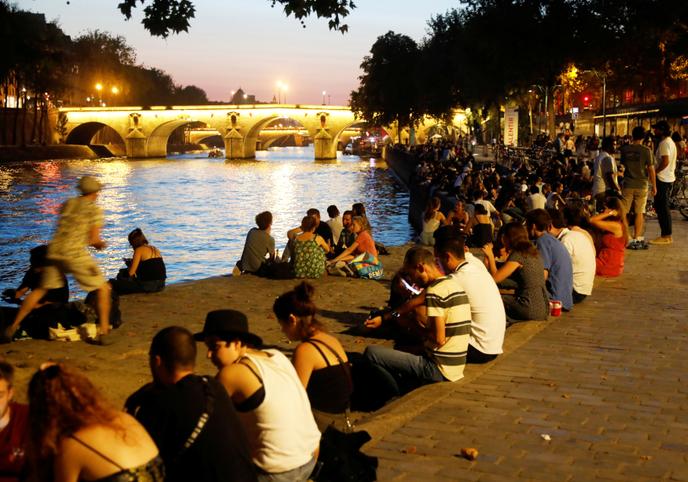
(246, 44)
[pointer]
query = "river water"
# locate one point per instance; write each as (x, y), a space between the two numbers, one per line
(194, 209)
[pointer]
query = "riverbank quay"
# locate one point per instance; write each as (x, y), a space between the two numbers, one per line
(598, 394)
(606, 382)
(56, 151)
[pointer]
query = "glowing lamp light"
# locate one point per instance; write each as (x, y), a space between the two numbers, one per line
(99, 86)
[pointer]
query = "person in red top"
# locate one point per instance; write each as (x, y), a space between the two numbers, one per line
(13, 429)
(614, 229)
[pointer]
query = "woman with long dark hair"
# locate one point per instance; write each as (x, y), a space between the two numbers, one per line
(76, 435)
(524, 267)
(319, 359)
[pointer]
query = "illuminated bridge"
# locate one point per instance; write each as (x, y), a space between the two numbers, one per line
(144, 132)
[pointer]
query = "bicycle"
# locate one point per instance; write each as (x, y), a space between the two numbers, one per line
(678, 197)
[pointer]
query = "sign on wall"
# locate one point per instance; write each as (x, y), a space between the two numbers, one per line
(511, 127)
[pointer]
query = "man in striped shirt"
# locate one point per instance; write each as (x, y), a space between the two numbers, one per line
(445, 325)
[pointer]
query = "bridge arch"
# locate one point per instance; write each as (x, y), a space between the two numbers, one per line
(251, 138)
(159, 137)
(338, 135)
(84, 133)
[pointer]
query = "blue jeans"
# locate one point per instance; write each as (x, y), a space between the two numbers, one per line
(401, 371)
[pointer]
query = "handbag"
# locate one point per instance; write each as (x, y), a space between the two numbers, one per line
(367, 266)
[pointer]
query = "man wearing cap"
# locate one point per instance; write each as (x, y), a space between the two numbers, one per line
(190, 417)
(666, 175)
(77, 228)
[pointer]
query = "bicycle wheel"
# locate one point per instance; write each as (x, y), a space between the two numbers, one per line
(681, 197)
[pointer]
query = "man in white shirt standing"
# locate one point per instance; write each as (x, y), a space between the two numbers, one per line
(666, 175)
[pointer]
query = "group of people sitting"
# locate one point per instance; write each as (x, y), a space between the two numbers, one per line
(259, 418)
(342, 246)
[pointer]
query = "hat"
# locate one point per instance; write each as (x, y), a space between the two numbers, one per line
(662, 126)
(89, 185)
(228, 323)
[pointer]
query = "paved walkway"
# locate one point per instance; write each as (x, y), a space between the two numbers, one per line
(607, 384)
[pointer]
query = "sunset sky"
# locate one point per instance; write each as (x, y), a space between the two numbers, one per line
(248, 44)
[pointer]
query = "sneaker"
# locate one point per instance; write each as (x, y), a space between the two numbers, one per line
(662, 240)
(236, 271)
(644, 244)
(633, 244)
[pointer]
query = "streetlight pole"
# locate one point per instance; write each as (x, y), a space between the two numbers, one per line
(604, 105)
(324, 94)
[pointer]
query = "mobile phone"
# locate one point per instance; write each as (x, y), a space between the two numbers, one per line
(411, 287)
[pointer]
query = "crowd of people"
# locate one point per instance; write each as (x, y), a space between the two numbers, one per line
(539, 234)
(341, 246)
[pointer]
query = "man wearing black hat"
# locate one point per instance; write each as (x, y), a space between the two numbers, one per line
(191, 418)
(666, 175)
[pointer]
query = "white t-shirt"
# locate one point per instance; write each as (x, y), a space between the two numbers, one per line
(336, 226)
(282, 434)
(582, 253)
(666, 147)
(488, 206)
(536, 201)
(488, 320)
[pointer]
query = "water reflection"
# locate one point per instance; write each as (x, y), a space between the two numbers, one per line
(196, 210)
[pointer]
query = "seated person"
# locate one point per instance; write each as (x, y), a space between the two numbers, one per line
(319, 359)
(335, 222)
(259, 248)
(347, 237)
(488, 319)
(14, 420)
(273, 406)
(364, 242)
(480, 227)
(432, 219)
(445, 332)
(614, 228)
(50, 308)
(308, 250)
(524, 267)
(146, 272)
(458, 216)
(555, 257)
(322, 229)
(171, 406)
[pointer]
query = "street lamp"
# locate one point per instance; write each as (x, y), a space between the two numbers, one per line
(99, 89)
(114, 90)
(324, 94)
(279, 91)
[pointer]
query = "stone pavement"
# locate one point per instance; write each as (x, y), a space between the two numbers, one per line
(606, 384)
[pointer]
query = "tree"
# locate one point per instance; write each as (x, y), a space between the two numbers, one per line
(190, 95)
(164, 17)
(389, 92)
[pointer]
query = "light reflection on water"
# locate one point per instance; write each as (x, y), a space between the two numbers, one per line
(194, 209)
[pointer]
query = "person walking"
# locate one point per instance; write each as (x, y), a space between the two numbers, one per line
(78, 228)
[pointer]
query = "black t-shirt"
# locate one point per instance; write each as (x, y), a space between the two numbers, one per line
(32, 280)
(324, 231)
(170, 414)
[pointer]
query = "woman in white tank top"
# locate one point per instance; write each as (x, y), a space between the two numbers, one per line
(268, 395)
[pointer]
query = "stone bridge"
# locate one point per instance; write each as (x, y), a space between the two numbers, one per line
(145, 130)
